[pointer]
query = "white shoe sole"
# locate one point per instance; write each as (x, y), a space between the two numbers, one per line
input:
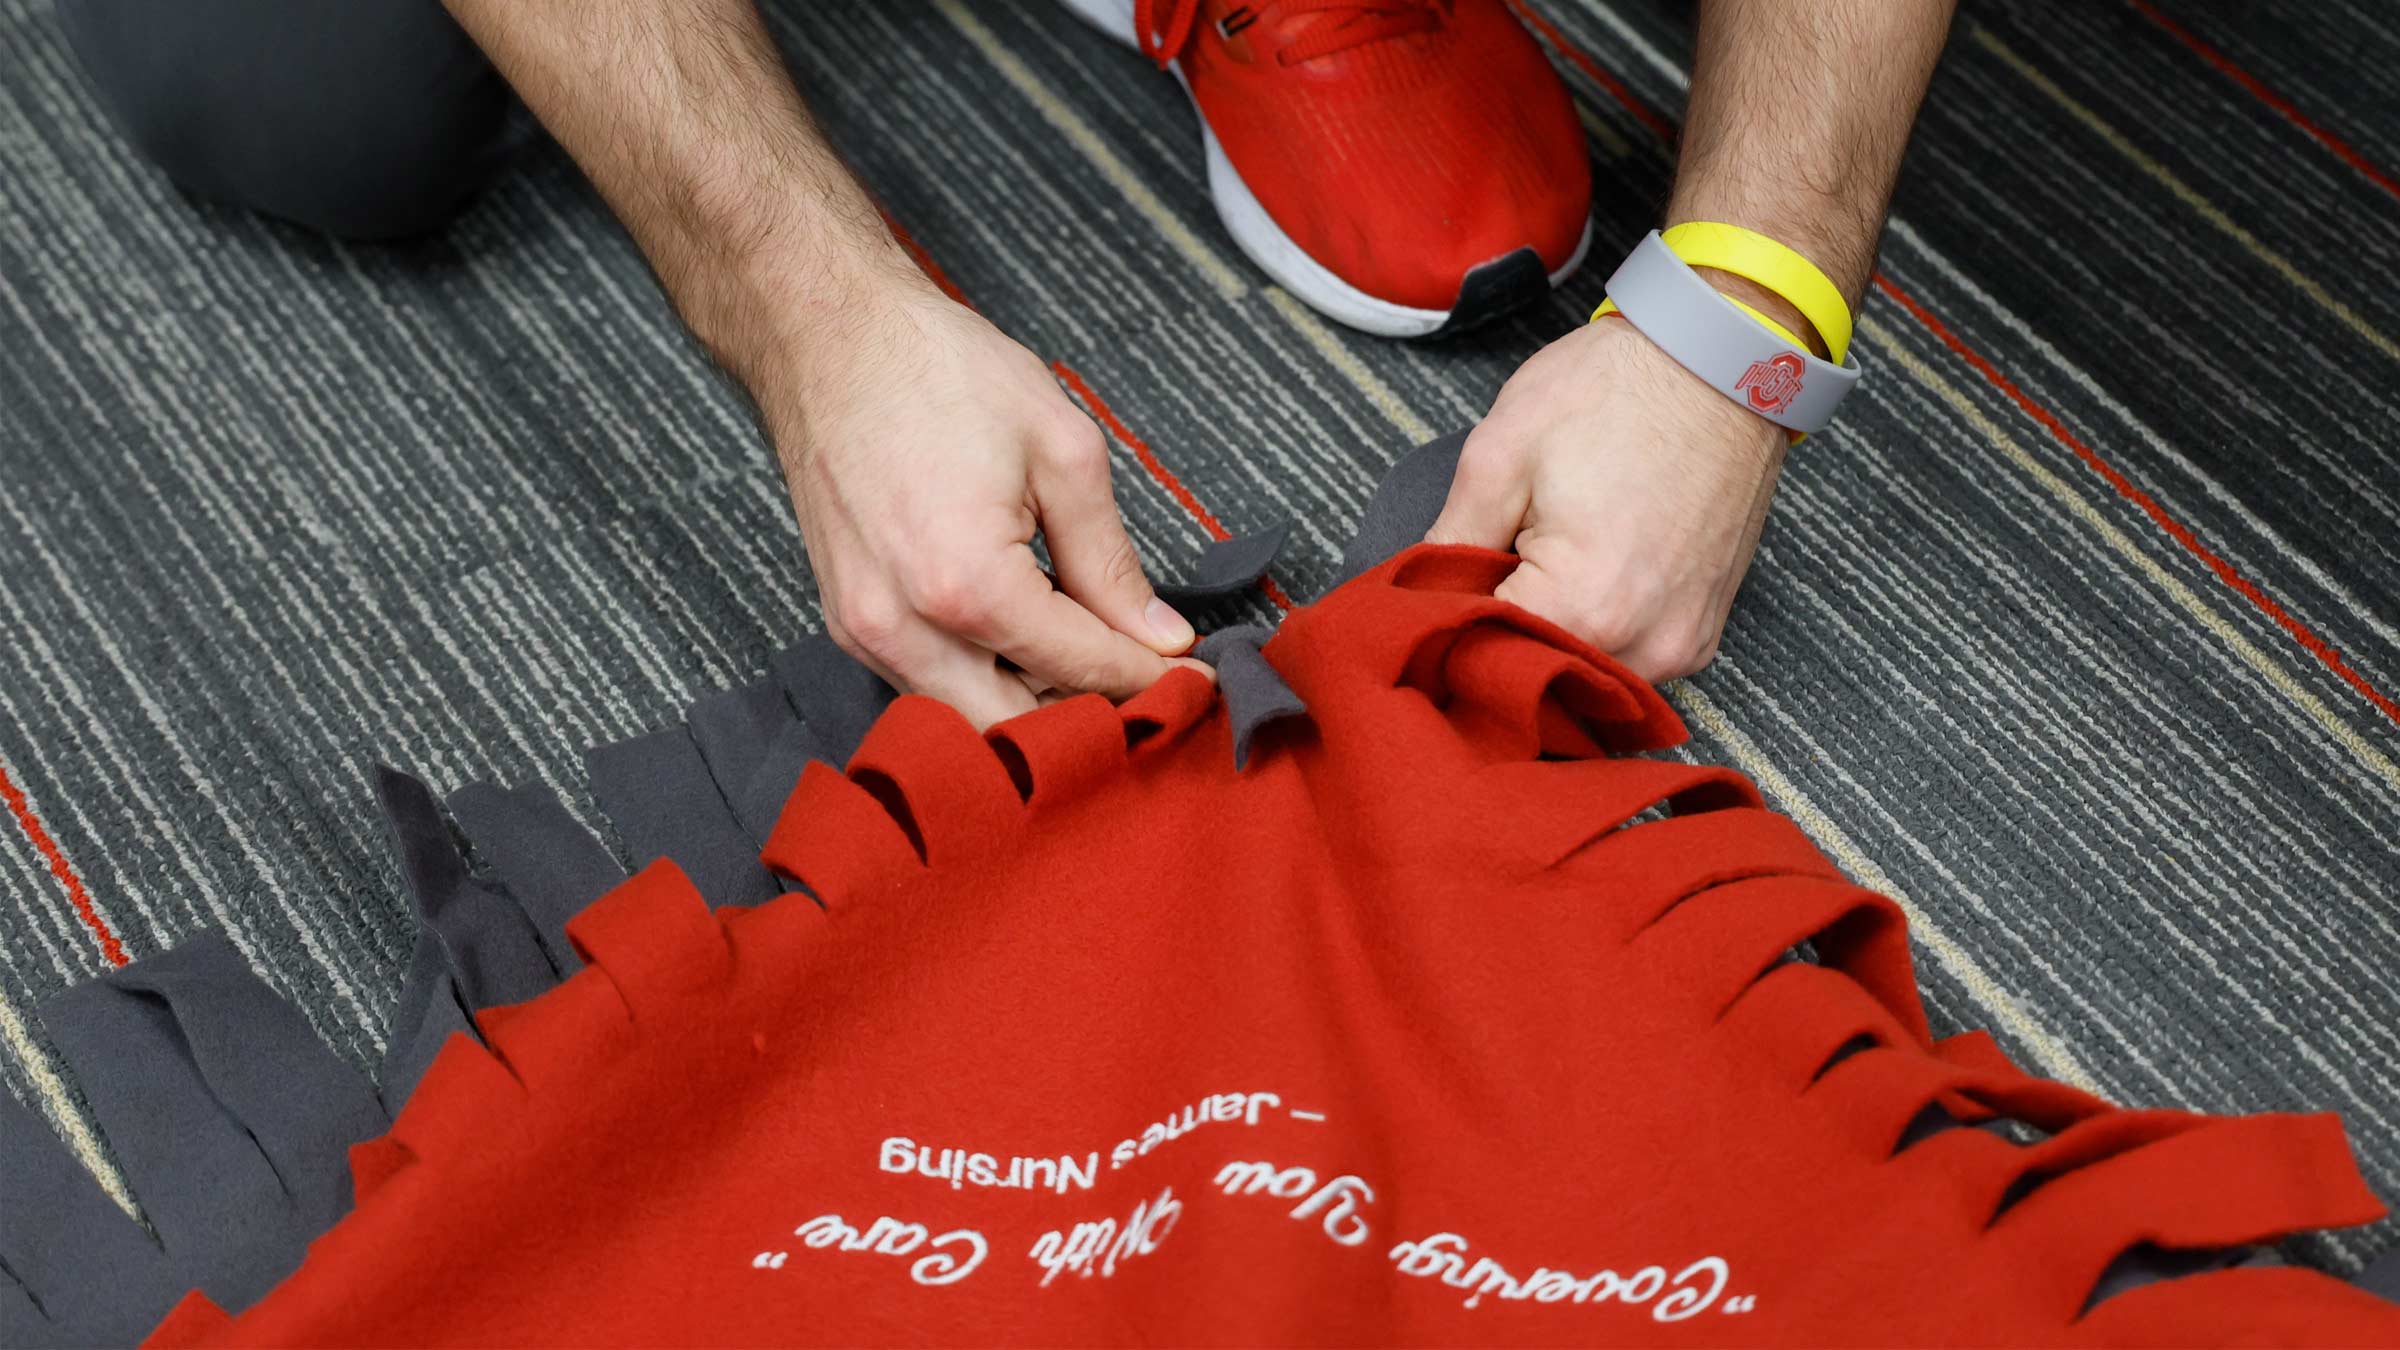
(1279, 257)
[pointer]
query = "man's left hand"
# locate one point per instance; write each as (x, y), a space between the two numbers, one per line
(1632, 492)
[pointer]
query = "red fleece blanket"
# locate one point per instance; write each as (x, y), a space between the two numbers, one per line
(1430, 1026)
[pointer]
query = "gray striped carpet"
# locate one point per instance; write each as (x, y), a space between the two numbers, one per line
(2078, 632)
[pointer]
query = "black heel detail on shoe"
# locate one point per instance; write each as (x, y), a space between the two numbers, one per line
(1504, 285)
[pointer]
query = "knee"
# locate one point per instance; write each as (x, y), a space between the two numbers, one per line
(367, 119)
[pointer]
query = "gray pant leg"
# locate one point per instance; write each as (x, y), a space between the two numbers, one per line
(366, 119)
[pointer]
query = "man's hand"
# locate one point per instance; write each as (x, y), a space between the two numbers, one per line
(1632, 492)
(922, 454)
(922, 448)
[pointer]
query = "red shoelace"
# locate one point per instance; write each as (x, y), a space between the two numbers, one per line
(1165, 28)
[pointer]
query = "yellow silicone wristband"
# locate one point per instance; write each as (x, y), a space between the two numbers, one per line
(1749, 254)
(1610, 307)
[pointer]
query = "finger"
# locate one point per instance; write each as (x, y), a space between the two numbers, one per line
(965, 677)
(1096, 561)
(1056, 640)
(1544, 595)
(1045, 695)
(915, 657)
(1658, 663)
(1537, 592)
(1531, 589)
(1486, 506)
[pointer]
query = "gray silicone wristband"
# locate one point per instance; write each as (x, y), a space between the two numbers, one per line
(1711, 337)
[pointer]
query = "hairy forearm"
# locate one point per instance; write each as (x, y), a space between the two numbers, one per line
(1800, 111)
(684, 117)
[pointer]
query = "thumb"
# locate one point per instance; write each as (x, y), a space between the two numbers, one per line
(1531, 589)
(1097, 565)
(1487, 501)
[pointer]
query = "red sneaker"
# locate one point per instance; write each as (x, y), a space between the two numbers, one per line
(1408, 167)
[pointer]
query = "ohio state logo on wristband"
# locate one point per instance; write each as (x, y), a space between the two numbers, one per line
(1772, 384)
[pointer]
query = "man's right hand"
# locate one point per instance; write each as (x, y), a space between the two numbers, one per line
(923, 450)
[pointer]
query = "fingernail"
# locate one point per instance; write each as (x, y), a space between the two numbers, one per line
(1168, 629)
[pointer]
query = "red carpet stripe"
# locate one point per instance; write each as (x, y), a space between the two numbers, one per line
(925, 263)
(1648, 116)
(2176, 530)
(60, 868)
(1157, 468)
(2309, 641)
(2257, 89)
(1141, 450)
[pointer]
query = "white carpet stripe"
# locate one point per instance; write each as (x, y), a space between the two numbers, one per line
(2352, 609)
(2228, 374)
(637, 444)
(2186, 194)
(65, 701)
(2338, 731)
(499, 620)
(1337, 354)
(2118, 588)
(1612, 143)
(634, 309)
(73, 949)
(1079, 46)
(459, 384)
(338, 469)
(126, 375)
(59, 1106)
(2252, 150)
(701, 636)
(327, 827)
(2001, 919)
(703, 516)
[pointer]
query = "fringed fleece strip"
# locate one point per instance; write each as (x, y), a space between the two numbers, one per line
(1451, 1016)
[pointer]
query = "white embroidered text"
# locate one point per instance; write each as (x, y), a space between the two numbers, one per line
(947, 1259)
(961, 1168)
(1688, 1293)
(1090, 1249)
(1338, 1200)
